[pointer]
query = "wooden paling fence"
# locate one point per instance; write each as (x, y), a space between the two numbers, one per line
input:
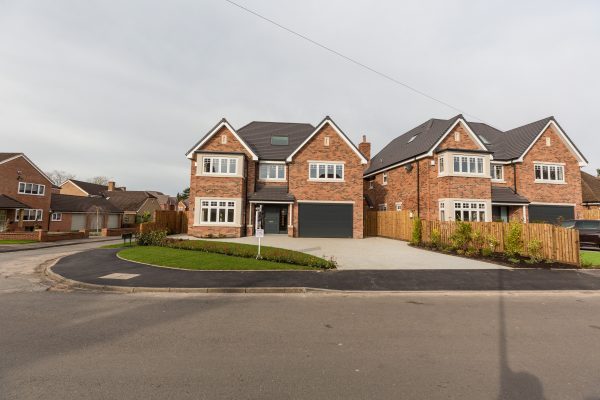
(591, 214)
(558, 243)
(172, 221)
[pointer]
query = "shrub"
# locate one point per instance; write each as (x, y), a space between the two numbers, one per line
(436, 239)
(152, 238)
(461, 238)
(146, 217)
(478, 240)
(535, 251)
(492, 242)
(250, 251)
(486, 252)
(417, 231)
(513, 243)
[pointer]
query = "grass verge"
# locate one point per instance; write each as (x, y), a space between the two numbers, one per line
(590, 259)
(8, 241)
(118, 245)
(199, 260)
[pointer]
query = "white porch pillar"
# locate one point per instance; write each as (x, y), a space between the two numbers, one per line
(290, 215)
(524, 214)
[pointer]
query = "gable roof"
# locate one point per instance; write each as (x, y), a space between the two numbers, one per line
(5, 157)
(163, 198)
(128, 200)
(92, 189)
(590, 188)
(328, 121)
(70, 203)
(258, 135)
(212, 132)
(505, 146)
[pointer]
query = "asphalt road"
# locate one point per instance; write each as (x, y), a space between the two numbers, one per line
(84, 345)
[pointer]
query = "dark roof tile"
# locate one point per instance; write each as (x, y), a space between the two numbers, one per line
(503, 194)
(590, 187)
(68, 203)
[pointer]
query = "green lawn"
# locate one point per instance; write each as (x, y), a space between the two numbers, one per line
(199, 260)
(118, 245)
(590, 258)
(7, 241)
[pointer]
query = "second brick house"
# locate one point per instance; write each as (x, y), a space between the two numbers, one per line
(307, 179)
(459, 170)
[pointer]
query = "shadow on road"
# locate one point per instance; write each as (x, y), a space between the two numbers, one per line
(513, 385)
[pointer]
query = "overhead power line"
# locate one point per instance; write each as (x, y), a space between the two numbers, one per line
(352, 60)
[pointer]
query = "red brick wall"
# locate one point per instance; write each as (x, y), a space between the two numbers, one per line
(547, 192)
(351, 189)
(9, 186)
(465, 141)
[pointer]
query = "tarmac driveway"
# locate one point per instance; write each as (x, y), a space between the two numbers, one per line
(370, 253)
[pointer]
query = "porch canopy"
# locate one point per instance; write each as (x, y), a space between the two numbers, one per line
(8, 203)
(271, 194)
(505, 196)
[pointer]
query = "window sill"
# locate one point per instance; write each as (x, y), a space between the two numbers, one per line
(498, 181)
(219, 224)
(550, 182)
(220, 175)
(31, 194)
(326, 180)
(272, 180)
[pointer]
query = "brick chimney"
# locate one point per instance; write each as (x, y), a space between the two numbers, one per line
(365, 147)
(111, 186)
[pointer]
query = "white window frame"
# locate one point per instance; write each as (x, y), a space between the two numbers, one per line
(398, 206)
(441, 164)
(38, 214)
(382, 207)
(56, 216)
(327, 166)
(477, 160)
(217, 204)
(278, 167)
(558, 168)
(371, 183)
(217, 161)
(223, 139)
(384, 178)
(22, 189)
(493, 173)
(326, 141)
(442, 209)
(470, 207)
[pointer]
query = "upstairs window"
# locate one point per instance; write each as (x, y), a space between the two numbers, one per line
(32, 188)
(497, 172)
(551, 173)
(468, 165)
(220, 165)
(279, 140)
(271, 171)
(326, 171)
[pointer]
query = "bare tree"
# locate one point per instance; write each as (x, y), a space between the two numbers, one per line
(99, 180)
(59, 176)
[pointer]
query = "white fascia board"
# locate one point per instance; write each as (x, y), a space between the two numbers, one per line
(580, 157)
(363, 160)
(215, 130)
(473, 135)
(401, 163)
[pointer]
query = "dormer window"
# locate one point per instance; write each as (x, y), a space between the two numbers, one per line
(279, 140)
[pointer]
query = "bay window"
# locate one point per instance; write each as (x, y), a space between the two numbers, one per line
(468, 165)
(326, 171)
(220, 165)
(469, 211)
(271, 171)
(552, 173)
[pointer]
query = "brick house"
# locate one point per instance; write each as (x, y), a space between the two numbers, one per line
(306, 179)
(76, 213)
(454, 169)
(24, 194)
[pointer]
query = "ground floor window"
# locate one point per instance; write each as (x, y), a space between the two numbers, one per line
(442, 211)
(56, 216)
(217, 211)
(469, 211)
(30, 214)
(382, 207)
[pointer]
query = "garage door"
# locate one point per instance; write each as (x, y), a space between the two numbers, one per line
(550, 214)
(325, 220)
(78, 222)
(113, 221)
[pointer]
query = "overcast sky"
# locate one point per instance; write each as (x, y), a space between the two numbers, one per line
(124, 88)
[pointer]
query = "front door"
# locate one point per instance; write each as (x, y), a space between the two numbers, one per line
(271, 219)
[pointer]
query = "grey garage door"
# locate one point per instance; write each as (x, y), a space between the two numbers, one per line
(550, 214)
(325, 220)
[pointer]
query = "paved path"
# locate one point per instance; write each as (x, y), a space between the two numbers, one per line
(91, 266)
(369, 253)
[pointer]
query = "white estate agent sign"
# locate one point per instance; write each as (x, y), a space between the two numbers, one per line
(260, 233)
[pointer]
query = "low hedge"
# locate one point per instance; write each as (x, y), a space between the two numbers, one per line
(249, 251)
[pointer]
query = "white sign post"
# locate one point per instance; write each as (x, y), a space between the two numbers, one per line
(259, 231)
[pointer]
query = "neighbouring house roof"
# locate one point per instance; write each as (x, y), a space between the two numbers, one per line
(503, 194)
(5, 157)
(8, 156)
(128, 200)
(590, 187)
(164, 198)
(92, 189)
(68, 203)
(7, 202)
(505, 146)
(258, 135)
(271, 193)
